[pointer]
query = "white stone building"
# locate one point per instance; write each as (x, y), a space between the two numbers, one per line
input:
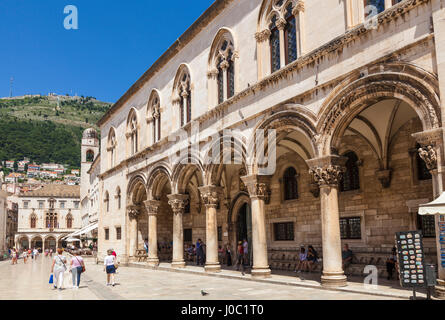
(356, 104)
(3, 221)
(47, 215)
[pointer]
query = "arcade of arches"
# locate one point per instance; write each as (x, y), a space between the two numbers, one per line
(359, 182)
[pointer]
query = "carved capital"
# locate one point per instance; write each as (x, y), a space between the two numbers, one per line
(299, 7)
(281, 24)
(210, 196)
(133, 212)
(224, 64)
(262, 36)
(178, 202)
(212, 74)
(258, 187)
(429, 155)
(152, 207)
(327, 171)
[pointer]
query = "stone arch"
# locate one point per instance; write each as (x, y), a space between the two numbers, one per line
(136, 189)
(405, 82)
(222, 34)
(269, 9)
(287, 120)
(238, 201)
(183, 172)
(214, 163)
(158, 176)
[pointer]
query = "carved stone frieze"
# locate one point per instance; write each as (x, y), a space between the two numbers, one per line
(327, 176)
(258, 187)
(133, 212)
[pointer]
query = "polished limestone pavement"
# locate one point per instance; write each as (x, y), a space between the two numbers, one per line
(30, 282)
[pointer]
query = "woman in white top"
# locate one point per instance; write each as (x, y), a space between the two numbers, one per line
(109, 267)
(58, 268)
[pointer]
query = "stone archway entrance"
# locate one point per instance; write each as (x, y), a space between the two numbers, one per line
(37, 243)
(244, 227)
(23, 243)
(51, 243)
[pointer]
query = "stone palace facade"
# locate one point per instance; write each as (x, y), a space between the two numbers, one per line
(350, 99)
(47, 215)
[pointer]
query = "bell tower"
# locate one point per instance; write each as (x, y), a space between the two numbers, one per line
(89, 152)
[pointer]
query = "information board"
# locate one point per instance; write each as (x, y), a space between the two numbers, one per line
(411, 259)
(442, 239)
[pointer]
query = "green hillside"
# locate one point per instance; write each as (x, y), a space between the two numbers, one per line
(46, 129)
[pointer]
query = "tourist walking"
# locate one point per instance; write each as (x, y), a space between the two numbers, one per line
(77, 268)
(110, 267)
(35, 253)
(246, 252)
(58, 269)
(199, 253)
(240, 257)
(14, 256)
(25, 256)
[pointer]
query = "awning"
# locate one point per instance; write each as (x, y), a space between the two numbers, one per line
(433, 208)
(84, 230)
(72, 240)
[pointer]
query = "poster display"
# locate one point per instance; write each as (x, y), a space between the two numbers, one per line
(442, 239)
(411, 259)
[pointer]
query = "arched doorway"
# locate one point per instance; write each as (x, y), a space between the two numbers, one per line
(37, 243)
(244, 227)
(23, 243)
(51, 243)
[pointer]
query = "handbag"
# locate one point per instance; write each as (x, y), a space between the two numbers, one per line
(116, 265)
(81, 264)
(51, 279)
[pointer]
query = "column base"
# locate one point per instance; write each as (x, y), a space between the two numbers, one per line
(178, 264)
(334, 279)
(153, 262)
(212, 268)
(440, 290)
(261, 272)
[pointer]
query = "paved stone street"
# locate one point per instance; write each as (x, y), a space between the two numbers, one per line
(30, 282)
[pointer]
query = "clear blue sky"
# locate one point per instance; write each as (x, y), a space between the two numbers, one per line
(117, 41)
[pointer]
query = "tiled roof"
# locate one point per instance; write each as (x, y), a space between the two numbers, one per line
(55, 190)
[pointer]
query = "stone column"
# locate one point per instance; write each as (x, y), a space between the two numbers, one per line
(258, 187)
(281, 24)
(133, 213)
(178, 203)
(152, 210)
(431, 152)
(210, 197)
(327, 172)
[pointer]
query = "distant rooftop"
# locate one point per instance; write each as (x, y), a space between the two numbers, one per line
(55, 190)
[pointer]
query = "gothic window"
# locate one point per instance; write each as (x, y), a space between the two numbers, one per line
(132, 133)
(111, 148)
(107, 201)
(351, 228)
(284, 231)
(118, 197)
(282, 25)
(422, 170)
(290, 35)
(290, 184)
(275, 45)
(222, 67)
(118, 233)
(427, 224)
(183, 94)
(90, 156)
(154, 116)
(51, 220)
(69, 221)
(350, 180)
(33, 221)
